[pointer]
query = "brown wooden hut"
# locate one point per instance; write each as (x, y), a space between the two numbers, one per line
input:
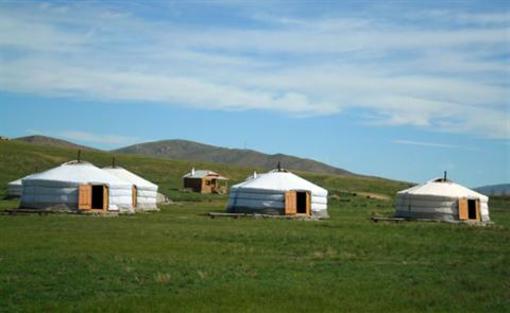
(205, 181)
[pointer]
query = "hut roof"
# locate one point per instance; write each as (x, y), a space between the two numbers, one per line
(203, 173)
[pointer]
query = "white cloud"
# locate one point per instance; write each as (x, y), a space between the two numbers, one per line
(87, 137)
(427, 144)
(59, 80)
(97, 138)
(492, 18)
(424, 144)
(451, 79)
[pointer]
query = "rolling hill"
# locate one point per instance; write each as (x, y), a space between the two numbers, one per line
(18, 159)
(54, 142)
(495, 190)
(194, 151)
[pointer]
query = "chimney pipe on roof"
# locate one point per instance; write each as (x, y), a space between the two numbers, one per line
(279, 167)
(192, 171)
(254, 174)
(79, 155)
(444, 178)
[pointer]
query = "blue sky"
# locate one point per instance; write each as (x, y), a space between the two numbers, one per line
(396, 89)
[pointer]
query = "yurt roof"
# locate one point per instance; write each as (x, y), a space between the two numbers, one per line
(281, 181)
(78, 172)
(252, 176)
(16, 182)
(129, 176)
(19, 181)
(203, 173)
(445, 188)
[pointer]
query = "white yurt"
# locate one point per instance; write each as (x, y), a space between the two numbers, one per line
(144, 192)
(76, 185)
(14, 188)
(278, 192)
(442, 199)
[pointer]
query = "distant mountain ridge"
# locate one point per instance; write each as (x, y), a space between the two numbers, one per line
(495, 190)
(189, 150)
(44, 140)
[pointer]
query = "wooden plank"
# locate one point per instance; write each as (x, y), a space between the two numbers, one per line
(463, 209)
(221, 214)
(85, 197)
(290, 203)
(106, 197)
(28, 211)
(258, 215)
(134, 196)
(386, 219)
(57, 211)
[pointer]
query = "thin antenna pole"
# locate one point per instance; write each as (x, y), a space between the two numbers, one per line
(444, 175)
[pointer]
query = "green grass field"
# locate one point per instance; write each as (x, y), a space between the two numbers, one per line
(180, 260)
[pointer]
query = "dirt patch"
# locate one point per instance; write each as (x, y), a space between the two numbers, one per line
(376, 196)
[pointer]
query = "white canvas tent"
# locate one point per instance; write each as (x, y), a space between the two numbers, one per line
(76, 186)
(144, 192)
(278, 192)
(14, 188)
(442, 199)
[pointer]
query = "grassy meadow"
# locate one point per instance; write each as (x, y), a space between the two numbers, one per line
(180, 260)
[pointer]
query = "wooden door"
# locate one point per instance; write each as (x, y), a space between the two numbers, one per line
(308, 204)
(106, 197)
(85, 197)
(478, 214)
(204, 186)
(290, 203)
(134, 196)
(463, 209)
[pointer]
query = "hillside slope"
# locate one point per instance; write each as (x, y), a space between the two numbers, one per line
(50, 141)
(18, 159)
(495, 190)
(181, 260)
(194, 151)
